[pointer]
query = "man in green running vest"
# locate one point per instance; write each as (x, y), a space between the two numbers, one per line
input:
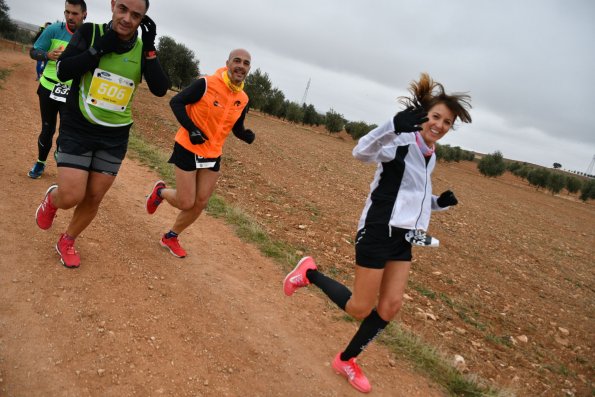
(106, 64)
(52, 92)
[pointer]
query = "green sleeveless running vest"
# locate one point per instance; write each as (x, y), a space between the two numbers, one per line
(106, 93)
(56, 36)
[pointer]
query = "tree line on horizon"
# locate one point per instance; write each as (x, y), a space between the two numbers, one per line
(272, 101)
(10, 30)
(182, 68)
(494, 165)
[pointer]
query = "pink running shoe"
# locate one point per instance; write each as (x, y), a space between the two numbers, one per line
(46, 212)
(173, 245)
(350, 370)
(68, 255)
(153, 199)
(297, 277)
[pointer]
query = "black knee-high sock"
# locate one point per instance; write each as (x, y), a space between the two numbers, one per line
(369, 329)
(336, 291)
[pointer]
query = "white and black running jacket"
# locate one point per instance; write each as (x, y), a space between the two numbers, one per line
(401, 192)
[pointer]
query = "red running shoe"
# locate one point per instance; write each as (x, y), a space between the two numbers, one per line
(173, 245)
(153, 199)
(350, 370)
(297, 277)
(68, 255)
(46, 212)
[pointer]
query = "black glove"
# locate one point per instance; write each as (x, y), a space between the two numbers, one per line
(197, 137)
(410, 119)
(248, 136)
(149, 30)
(447, 199)
(106, 43)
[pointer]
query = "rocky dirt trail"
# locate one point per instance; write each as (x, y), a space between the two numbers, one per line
(134, 320)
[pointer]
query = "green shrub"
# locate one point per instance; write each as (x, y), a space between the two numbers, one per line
(492, 165)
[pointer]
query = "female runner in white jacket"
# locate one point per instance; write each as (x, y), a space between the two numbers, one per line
(396, 215)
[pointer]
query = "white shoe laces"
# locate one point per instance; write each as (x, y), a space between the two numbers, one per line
(297, 280)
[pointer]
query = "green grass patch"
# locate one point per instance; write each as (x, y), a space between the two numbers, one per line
(462, 312)
(449, 302)
(403, 344)
(249, 230)
(499, 340)
(314, 212)
(4, 73)
(471, 320)
(559, 369)
(347, 318)
(433, 364)
(152, 157)
(423, 290)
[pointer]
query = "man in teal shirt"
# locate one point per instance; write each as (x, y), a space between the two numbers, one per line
(52, 92)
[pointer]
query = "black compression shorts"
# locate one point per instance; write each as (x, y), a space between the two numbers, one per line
(84, 152)
(377, 244)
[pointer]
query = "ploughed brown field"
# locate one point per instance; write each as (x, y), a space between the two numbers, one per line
(510, 289)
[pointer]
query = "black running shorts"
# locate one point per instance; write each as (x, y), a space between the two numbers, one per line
(188, 161)
(96, 154)
(377, 244)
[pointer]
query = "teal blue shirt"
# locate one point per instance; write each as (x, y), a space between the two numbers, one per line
(54, 36)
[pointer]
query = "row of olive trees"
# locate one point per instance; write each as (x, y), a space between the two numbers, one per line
(271, 100)
(178, 62)
(9, 30)
(453, 154)
(493, 165)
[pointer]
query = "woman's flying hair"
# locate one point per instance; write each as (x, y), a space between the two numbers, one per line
(428, 93)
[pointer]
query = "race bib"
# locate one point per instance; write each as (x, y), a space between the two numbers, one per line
(201, 162)
(110, 91)
(60, 92)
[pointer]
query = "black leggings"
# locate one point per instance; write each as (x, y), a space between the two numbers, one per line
(49, 110)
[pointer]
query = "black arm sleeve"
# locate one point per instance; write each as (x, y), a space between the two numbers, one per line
(191, 94)
(238, 128)
(155, 76)
(76, 60)
(38, 55)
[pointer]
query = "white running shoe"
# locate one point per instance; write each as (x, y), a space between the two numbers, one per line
(421, 238)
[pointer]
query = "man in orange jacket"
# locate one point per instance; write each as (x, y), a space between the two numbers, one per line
(208, 110)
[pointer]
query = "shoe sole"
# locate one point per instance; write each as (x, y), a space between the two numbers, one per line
(52, 187)
(170, 250)
(149, 196)
(62, 260)
(291, 272)
(33, 176)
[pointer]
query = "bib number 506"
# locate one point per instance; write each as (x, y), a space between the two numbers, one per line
(111, 91)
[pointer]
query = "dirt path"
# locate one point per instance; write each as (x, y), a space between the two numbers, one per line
(133, 320)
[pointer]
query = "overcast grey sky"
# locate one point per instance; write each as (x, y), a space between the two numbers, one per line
(528, 64)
